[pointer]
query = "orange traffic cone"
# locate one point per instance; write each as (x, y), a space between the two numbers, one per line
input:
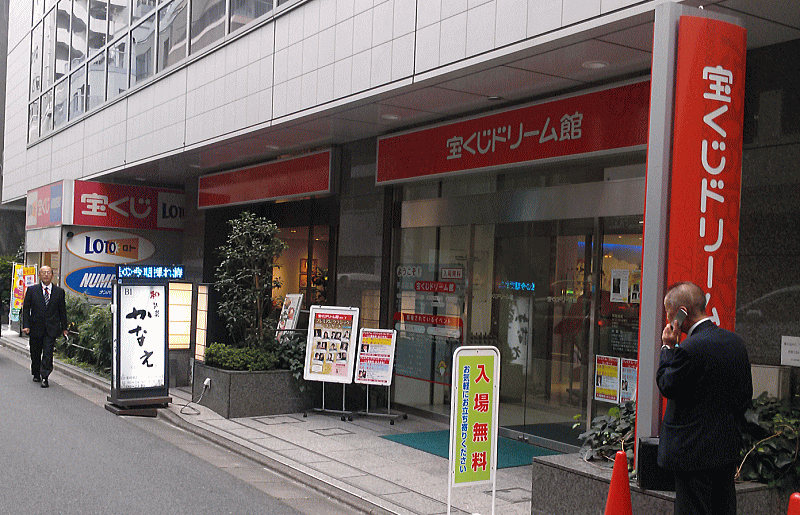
(794, 504)
(619, 494)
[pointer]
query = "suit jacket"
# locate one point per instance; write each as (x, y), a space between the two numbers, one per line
(41, 319)
(708, 385)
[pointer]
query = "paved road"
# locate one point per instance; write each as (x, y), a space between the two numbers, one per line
(61, 452)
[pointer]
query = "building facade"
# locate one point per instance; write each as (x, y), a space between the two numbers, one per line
(468, 172)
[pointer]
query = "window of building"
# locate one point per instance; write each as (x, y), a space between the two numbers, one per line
(98, 25)
(118, 12)
(38, 9)
(171, 34)
(33, 120)
(36, 61)
(77, 93)
(96, 82)
(48, 49)
(142, 8)
(143, 50)
(63, 14)
(117, 68)
(60, 104)
(46, 116)
(80, 19)
(208, 23)
(245, 11)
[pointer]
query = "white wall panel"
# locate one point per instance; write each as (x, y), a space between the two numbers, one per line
(612, 5)
(362, 31)
(343, 78)
(327, 47)
(381, 67)
(453, 39)
(543, 16)
(453, 7)
(403, 56)
(327, 14)
(362, 67)
(344, 39)
(579, 10)
(309, 89)
(428, 13)
(325, 84)
(427, 51)
(512, 21)
(344, 9)
(405, 14)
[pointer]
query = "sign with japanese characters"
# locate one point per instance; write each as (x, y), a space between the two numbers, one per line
(790, 351)
(21, 277)
(606, 379)
(309, 174)
(43, 206)
(142, 336)
(330, 349)
(703, 242)
(98, 204)
(603, 121)
(375, 356)
(149, 273)
(628, 378)
(473, 415)
(111, 247)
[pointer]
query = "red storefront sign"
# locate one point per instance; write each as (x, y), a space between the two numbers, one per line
(43, 206)
(296, 177)
(98, 204)
(703, 243)
(602, 121)
(429, 319)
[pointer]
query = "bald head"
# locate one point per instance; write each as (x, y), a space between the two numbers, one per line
(687, 295)
(46, 275)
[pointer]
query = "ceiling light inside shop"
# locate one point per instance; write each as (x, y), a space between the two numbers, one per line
(595, 65)
(390, 117)
(494, 98)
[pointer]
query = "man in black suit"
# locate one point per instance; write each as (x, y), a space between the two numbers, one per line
(707, 382)
(44, 318)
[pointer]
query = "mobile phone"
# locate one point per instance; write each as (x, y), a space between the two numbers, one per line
(680, 316)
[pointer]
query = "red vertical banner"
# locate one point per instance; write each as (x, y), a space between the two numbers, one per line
(705, 191)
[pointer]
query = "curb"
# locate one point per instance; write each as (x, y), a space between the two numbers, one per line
(314, 483)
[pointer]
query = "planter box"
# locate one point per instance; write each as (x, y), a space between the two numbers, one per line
(236, 394)
(567, 484)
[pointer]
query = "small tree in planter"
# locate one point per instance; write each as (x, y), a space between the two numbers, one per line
(245, 281)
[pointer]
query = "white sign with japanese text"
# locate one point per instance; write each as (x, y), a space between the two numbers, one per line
(376, 356)
(142, 336)
(790, 351)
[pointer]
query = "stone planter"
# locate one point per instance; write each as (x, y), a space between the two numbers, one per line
(235, 394)
(567, 484)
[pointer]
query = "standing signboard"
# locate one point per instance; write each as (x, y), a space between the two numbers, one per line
(375, 356)
(329, 352)
(21, 277)
(140, 357)
(290, 313)
(473, 418)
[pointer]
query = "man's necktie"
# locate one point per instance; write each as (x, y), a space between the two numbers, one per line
(46, 296)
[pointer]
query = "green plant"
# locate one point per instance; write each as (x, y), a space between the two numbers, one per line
(6, 271)
(610, 433)
(225, 357)
(291, 355)
(772, 441)
(245, 281)
(90, 328)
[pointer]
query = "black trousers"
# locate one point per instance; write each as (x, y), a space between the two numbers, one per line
(41, 355)
(706, 492)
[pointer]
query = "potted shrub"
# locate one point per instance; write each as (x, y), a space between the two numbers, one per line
(253, 375)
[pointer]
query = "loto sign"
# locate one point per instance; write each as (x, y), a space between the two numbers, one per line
(111, 247)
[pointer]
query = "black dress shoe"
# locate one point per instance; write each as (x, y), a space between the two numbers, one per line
(36, 379)
(45, 384)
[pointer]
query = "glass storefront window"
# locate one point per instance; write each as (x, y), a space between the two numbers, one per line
(33, 120)
(48, 49)
(143, 50)
(245, 11)
(98, 25)
(208, 23)
(80, 13)
(63, 15)
(77, 93)
(171, 34)
(296, 272)
(118, 11)
(117, 68)
(46, 125)
(96, 82)
(142, 8)
(60, 103)
(36, 61)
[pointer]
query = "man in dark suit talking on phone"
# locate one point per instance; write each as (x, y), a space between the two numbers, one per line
(44, 318)
(707, 382)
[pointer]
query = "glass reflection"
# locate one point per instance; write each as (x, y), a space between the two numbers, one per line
(208, 23)
(171, 34)
(96, 82)
(245, 11)
(33, 121)
(46, 125)
(118, 68)
(36, 61)
(80, 12)
(118, 12)
(48, 49)
(60, 104)
(98, 25)
(77, 93)
(63, 13)
(143, 48)
(142, 8)
(38, 9)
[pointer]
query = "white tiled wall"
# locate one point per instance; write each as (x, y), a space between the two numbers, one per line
(318, 52)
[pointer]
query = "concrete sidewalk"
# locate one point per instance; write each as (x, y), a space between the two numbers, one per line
(348, 461)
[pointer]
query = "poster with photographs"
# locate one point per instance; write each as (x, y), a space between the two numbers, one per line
(289, 315)
(375, 356)
(330, 348)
